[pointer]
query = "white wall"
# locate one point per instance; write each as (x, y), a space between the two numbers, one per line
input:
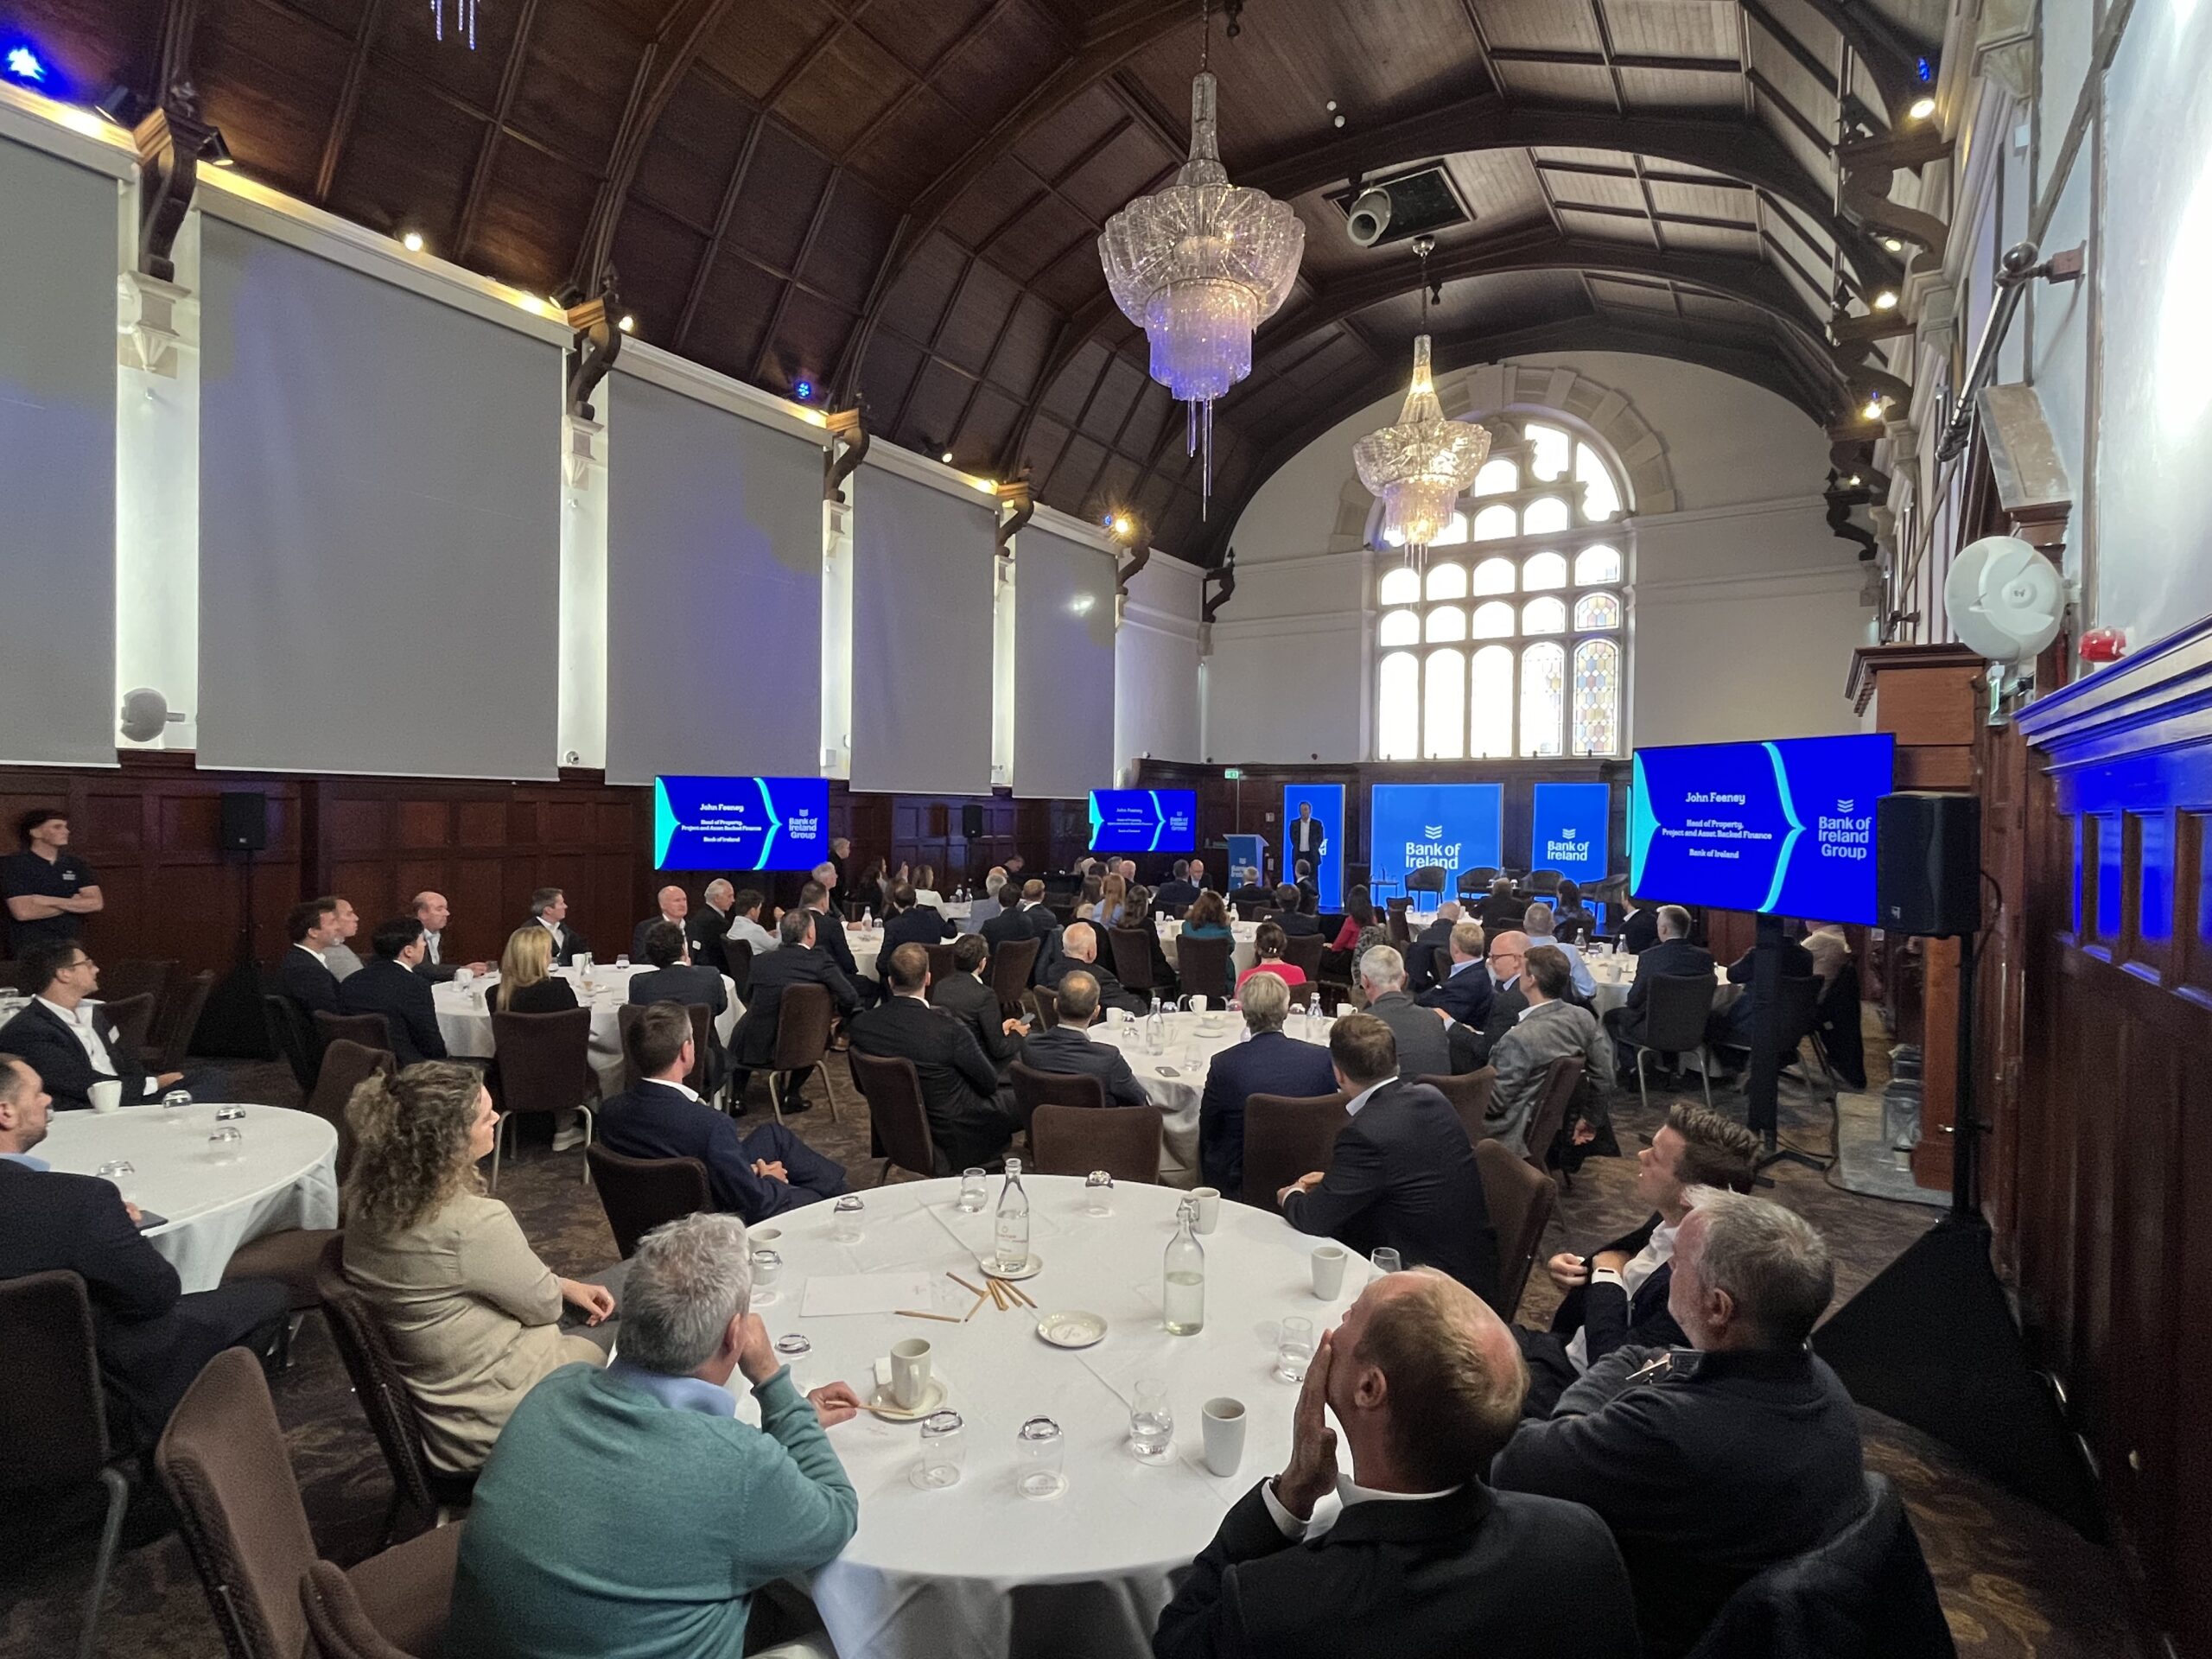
(1156, 666)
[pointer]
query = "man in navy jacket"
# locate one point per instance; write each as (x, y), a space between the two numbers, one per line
(1463, 994)
(1266, 1062)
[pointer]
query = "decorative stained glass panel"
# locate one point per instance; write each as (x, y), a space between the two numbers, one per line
(1596, 611)
(1597, 697)
(1543, 690)
(1490, 729)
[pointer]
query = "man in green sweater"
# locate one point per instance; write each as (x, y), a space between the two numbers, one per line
(625, 1513)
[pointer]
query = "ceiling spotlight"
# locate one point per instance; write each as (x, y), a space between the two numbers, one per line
(946, 457)
(120, 105)
(24, 65)
(1893, 244)
(1922, 108)
(1855, 480)
(215, 151)
(412, 241)
(1886, 300)
(628, 324)
(1122, 525)
(1873, 410)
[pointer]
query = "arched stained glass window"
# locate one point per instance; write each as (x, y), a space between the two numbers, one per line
(1446, 622)
(1500, 475)
(1596, 696)
(1545, 518)
(1552, 453)
(1596, 611)
(1400, 586)
(1601, 498)
(1497, 523)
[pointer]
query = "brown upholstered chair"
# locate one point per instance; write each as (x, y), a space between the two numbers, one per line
(381, 1388)
(1520, 1204)
(940, 957)
(54, 1442)
(1032, 1088)
(369, 1030)
(639, 1194)
(703, 1037)
(1202, 965)
(1302, 994)
(1042, 1004)
(345, 1066)
(1305, 950)
(1393, 922)
(737, 962)
(804, 1015)
(291, 1035)
(1076, 1139)
(543, 1065)
(223, 1460)
(1470, 1094)
(1132, 957)
(892, 1090)
(134, 1017)
(1561, 1078)
(181, 1006)
(291, 1257)
(1286, 1137)
(122, 980)
(1011, 966)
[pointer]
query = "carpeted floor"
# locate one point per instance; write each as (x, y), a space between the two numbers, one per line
(2014, 1581)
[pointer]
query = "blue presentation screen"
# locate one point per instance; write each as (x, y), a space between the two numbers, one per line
(1144, 821)
(1569, 831)
(1459, 826)
(741, 823)
(1785, 827)
(1327, 801)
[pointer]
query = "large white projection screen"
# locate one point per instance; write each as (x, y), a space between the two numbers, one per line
(922, 637)
(379, 524)
(1063, 666)
(57, 462)
(714, 590)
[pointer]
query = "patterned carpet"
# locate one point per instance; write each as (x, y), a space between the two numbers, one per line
(2013, 1581)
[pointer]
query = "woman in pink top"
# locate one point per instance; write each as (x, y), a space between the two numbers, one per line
(1268, 944)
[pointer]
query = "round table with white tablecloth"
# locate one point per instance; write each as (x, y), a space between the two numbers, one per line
(1615, 974)
(866, 945)
(465, 1017)
(1244, 953)
(284, 1175)
(975, 1568)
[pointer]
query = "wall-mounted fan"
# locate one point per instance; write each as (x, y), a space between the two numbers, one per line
(2006, 599)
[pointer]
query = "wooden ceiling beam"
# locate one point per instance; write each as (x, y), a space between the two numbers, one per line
(349, 99)
(479, 176)
(1618, 60)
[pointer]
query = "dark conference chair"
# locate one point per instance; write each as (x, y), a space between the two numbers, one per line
(1676, 1007)
(1011, 966)
(892, 1090)
(1075, 1140)
(1286, 1137)
(1520, 1203)
(737, 962)
(181, 1006)
(345, 1067)
(544, 1064)
(1470, 1094)
(1032, 1088)
(639, 1194)
(803, 1018)
(1561, 1078)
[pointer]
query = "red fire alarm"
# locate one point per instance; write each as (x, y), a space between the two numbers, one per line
(2104, 645)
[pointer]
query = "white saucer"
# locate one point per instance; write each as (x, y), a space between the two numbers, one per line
(990, 1266)
(933, 1397)
(1072, 1328)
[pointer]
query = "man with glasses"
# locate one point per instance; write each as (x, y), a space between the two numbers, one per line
(1464, 993)
(1470, 1042)
(70, 1041)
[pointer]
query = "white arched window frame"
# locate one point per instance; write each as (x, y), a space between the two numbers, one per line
(1531, 603)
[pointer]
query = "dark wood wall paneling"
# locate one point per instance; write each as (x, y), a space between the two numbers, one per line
(2105, 1216)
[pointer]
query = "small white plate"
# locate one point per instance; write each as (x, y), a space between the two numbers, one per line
(891, 1412)
(1072, 1328)
(990, 1266)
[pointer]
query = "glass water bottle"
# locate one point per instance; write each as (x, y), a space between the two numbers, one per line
(1013, 1221)
(1183, 1276)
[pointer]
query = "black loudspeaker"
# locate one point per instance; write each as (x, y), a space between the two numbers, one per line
(1928, 868)
(245, 820)
(971, 820)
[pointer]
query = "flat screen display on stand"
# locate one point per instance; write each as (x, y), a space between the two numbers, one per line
(741, 823)
(1144, 821)
(1784, 827)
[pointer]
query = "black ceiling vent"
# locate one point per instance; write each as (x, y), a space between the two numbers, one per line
(1420, 202)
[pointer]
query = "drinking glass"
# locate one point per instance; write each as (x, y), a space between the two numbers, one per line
(975, 1191)
(767, 1268)
(1293, 1349)
(944, 1449)
(230, 1113)
(227, 1145)
(173, 1105)
(1040, 1451)
(1192, 1057)
(1152, 1421)
(1098, 1193)
(1385, 1260)
(845, 1219)
(123, 1173)
(791, 1350)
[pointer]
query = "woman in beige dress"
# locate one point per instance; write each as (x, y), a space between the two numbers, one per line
(472, 1315)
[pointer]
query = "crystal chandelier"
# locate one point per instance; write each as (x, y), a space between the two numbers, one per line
(1420, 467)
(464, 20)
(1199, 266)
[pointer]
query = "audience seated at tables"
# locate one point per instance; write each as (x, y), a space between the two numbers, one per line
(1549, 1028)
(1420, 952)
(1402, 1171)
(671, 979)
(1616, 1293)
(1571, 920)
(1712, 1462)
(987, 905)
(1068, 1048)
(1289, 917)
(549, 909)
(830, 932)
(1266, 1062)
(1639, 926)
(1249, 895)
(1137, 916)
(798, 960)
(527, 981)
(1674, 955)
(1267, 942)
(151, 1339)
(473, 1317)
(1421, 1558)
(1112, 901)
(909, 921)
(302, 973)
(674, 908)
(1028, 918)
(339, 956)
(1730, 1029)
(1417, 1033)
(714, 916)
(1341, 959)
(1539, 923)
(1307, 886)
(1504, 908)
(432, 913)
(1504, 964)
(1825, 944)
(1079, 949)
(72, 1041)
(745, 921)
(757, 1175)
(1208, 918)
(841, 861)
(388, 985)
(1464, 993)
(960, 1084)
(966, 994)
(630, 1509)
(1173, 896)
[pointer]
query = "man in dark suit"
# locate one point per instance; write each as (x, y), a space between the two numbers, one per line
(797, 959)
(1674, 955)
(388, 984)
(675, 907)
(151, 1340)
(302, 973)
(432, 914)
(549, 908)
(1420, 953)
(1424, 1557)
(1712, 1462)
(1294, 921)
(968, 997)
(1471, 1044)
(959, 1084)
(829, 937)
(1422, 1048)
(1078, 950)
(1639, 927)
(1501, 909)
(1067, 1048)
(1174, 896)
(674, 980)
(72, 1043)
(1402, 1173)
(1616, 1295)
(910, 923)
(1464, 993)
(1266, 1062)
(755, 1176)
(1031, 918)
(1306, 837)
(1730, 1029)
(717, 910)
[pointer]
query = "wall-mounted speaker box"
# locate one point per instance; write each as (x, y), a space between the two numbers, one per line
(246, 821)
(971, 820)
(1927, 863)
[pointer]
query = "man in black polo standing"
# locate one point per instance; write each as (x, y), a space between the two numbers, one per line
(48, 888)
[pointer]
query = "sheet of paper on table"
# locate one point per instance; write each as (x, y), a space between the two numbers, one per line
(835, 1294)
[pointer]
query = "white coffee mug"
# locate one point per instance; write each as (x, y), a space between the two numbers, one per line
(910, 1372)
(1209, 1200)
(1197, 1004)
(1224, 1434)
(1328, 1270)
(463, 975)
(107, 1096)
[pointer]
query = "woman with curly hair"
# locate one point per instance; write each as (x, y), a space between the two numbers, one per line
(472, 1315)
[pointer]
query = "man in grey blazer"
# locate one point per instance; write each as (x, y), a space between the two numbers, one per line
(1550, 1028)
(1423, 1049)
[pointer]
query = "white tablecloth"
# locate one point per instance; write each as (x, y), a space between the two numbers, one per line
(286, 1176)
(1245, 952)
(465, 1020)
(1615, 975)
(976, 1569)
(865, 946)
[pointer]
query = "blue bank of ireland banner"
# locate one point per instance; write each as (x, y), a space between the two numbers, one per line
(1568, 831)
(1328, 814)
(741, 823)
(1460, 826)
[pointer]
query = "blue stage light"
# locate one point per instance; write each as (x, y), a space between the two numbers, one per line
(802, 391)
(26, 65)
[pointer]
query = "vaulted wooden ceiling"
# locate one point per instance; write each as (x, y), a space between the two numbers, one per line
(900, 200)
